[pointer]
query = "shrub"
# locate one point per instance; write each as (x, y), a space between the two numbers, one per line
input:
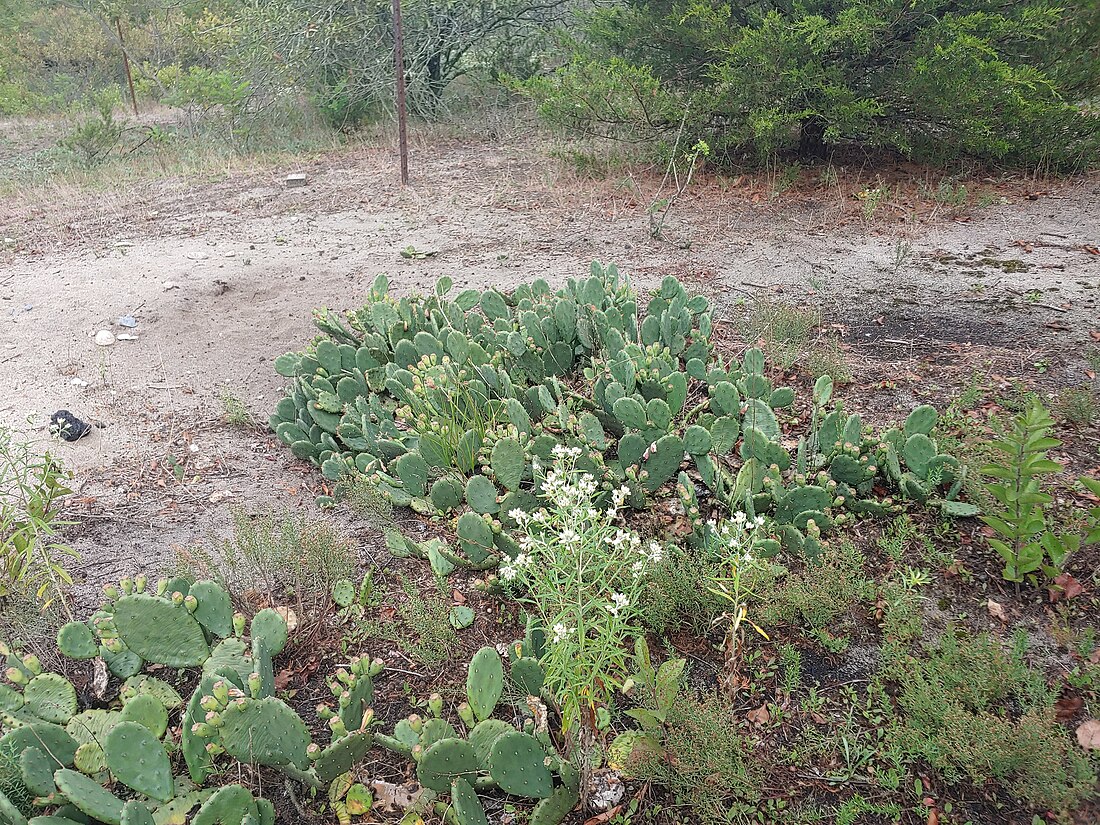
(931, 79)
(32, 489)
(975, 710)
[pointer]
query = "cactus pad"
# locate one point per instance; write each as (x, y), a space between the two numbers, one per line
(475, 537)
(92, 725)
(164, 692)
(517, 762)
(445, 761)
(138, 760)
(918, 453)
(265, 731)
(341, 756)
(215, 610)
(229, 805)
(508, 463)
(467, 806)
(148, 711)
(135, 813)
(77, 641)
(485, 682)
(922, 420)
(159, 631)
(51, 698)
(446, 493)
(89, 797)
(528, 675)
(36, 769)
(663, 461)
(269, 625)
(481, 495)
(50, 739)
(484, 735)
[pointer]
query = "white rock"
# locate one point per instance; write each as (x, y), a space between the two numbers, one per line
(170, 285)
(79, 382)
(104, 338)
(125, 336)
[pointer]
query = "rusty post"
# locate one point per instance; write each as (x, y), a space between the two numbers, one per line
(399, 69)
(126, 65)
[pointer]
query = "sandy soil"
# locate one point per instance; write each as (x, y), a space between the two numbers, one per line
(221, 277)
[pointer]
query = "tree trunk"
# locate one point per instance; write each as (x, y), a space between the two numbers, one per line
(811, 139)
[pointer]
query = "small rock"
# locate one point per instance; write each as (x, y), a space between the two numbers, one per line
(128, 321)
(79, 382)
(220, 495)
(196, 256)
(67, 426)
(104, 338)
(170, 285)
(125, 336)
(296, 179)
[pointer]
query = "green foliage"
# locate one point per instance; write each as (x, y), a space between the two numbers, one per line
(955, 705)
(96, 136)
(1023, 536)
(32, 490)
(929, 79)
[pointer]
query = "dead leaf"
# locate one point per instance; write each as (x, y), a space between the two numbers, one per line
(1088, 734)
(759, 716)
(290, 617)
(1094, 657)
(388, 796)
(458, 597)
(606, 816)
(933, 817)
(996, 611)
(1066, 707)
(1064, 587)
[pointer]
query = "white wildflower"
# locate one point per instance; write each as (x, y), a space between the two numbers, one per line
(656, 552)
(561, 632)
(569, 536)
(519, 516)
(508, 573)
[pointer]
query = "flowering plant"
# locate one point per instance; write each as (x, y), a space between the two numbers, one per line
(582, 572)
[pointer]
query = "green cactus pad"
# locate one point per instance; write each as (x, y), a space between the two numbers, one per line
(199, 762)
(555, 808)
(89, 797)
(697, 440)
(54, 819)
(10, 813)
(229, 805)
(265, 808)
(446, 493)
(163, 691)
(269, 625)
(913, 487)
(51, 698)
(528, 675)
(918, 452)
(849, 470)
(77, 641)
(921, 421)
(265, 731)
(50, 739)
(485, 682)
(135, 813)
(482, 737)
(781, 397)
(517, 762)
(360, 697)
(757, 387)
(215, 610)
(445, 761)
(723, 433)
(664, 461)
(341, 756)
(92, 725)
(159, 631)
(434, 730)
(229, 654)
(481, 495)
(801, 499)
(123, 664)
(508, 463)
(11, 700)
(475, 537)
(592, 431)
(90, 759)
(343, 593)
(413, 472)
(759, 416)
(36, 769)
(959, 509)
(467, 807)
(138, 760)
(148, 711)
(630, 413)
(725, 399)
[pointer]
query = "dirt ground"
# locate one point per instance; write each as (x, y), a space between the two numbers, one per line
(220, 276)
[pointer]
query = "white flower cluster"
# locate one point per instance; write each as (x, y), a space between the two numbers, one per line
(561, 632)
(509, 571)
(618, 602)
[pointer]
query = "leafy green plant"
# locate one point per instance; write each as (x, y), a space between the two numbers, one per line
(32, 489)
(582, 573)
(95, 137)
(1023, 537)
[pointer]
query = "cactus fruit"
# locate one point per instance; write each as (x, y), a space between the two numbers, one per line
(77, 641)
(147, 710)
(517, 763)
(270, 625)
(484, 682)
(445, 761)
(89, 796)
(467, 807)
(159, 631)
(138, 760)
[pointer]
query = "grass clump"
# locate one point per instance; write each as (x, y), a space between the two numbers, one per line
(818, 595)
(1078, 406)
(430, 638)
